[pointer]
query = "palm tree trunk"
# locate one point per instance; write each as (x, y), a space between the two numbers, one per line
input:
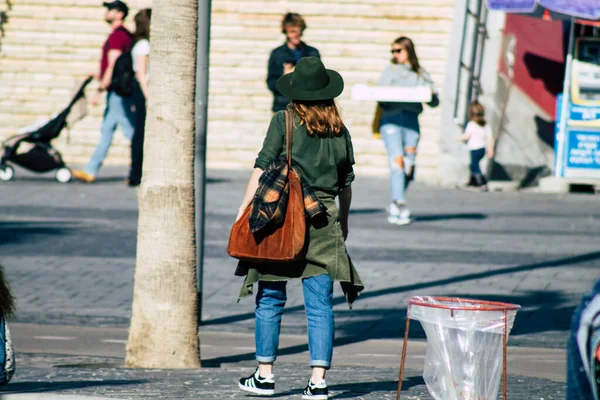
(163, 331)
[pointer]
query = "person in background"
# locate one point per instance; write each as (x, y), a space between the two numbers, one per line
(399, 124)
(7, 308)
(478, 136)
(140, 54)
(284, 58)
(118, 109)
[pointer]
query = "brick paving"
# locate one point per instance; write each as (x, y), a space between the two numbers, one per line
(96, 376)
(69, 252)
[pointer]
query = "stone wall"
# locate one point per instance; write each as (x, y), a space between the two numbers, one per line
(50, 45)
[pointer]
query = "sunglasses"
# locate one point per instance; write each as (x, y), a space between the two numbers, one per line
(394, 51)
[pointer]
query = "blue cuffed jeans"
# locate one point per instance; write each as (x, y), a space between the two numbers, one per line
(270, 301)
(119, 111)
(401, 134)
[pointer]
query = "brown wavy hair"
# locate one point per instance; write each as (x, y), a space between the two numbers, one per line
(320, 117)
(7, 301)
(477, 113)
(408, 45)
(142, 25)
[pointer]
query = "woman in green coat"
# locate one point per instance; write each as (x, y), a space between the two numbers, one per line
(322, 153)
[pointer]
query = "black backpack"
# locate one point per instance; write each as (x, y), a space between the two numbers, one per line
(123, 77)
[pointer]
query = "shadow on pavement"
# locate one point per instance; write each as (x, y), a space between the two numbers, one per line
(352, 390)
(40, 387)
(423, 218)
(48, 177)
(542, 310)
(367, 211)
(217, 362)
(19, 231)
(443, 217)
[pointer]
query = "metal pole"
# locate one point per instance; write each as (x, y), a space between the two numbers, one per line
(562, 133)
(460, 62)
(483, 34)
(473, 89)
(202, 64)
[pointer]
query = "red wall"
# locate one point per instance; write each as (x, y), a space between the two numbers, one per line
(539, 60)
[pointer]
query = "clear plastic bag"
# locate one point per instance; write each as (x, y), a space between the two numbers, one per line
(464, 345)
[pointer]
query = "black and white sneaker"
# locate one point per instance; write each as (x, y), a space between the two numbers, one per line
(257, 385)
(317, 391)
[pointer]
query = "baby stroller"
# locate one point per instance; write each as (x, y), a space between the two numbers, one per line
(39, 155)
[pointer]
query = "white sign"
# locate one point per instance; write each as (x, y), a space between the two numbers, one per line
(394, 94)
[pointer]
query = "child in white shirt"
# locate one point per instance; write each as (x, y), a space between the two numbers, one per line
(478, 135)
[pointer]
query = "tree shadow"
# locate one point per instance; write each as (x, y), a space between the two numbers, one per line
(443, 217)
(48, 177)
(422, 218)
(21, 231)
(542, 310)
(352, 390)
(367, 211)
(79, 213)
(33, 387)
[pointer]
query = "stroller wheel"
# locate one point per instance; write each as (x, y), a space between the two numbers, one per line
(63, 175)
(7, 173)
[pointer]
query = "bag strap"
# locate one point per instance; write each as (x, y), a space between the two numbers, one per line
(289, 124)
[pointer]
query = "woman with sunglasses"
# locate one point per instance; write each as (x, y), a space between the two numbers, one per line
(399, 124)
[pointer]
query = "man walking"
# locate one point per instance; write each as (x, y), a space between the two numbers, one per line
(283, 59)
(119, 110)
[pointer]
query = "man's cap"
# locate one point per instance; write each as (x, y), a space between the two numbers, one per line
(117, 5)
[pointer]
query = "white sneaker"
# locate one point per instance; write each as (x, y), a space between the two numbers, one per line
(398, 214)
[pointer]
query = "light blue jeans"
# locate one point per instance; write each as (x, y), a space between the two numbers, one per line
(119, 111)
(403, 133)
(270, 300)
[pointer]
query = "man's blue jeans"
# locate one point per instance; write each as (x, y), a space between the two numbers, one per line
(270, 300)
(399, 136)
(119, 111)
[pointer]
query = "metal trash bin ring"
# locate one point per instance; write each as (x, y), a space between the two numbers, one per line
(477, 322)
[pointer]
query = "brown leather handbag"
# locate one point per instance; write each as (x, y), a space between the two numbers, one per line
(283, 243)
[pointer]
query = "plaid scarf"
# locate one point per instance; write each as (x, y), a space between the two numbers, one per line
(270, 201)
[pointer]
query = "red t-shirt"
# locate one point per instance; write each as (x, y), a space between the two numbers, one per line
(119, 39)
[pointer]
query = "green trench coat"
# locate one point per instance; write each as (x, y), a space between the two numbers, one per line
(326, 254)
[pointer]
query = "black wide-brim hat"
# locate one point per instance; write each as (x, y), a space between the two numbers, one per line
(310, 81)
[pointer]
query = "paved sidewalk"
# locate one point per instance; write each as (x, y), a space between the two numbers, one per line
(103, 377)
(69, 252)
(232, 349)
